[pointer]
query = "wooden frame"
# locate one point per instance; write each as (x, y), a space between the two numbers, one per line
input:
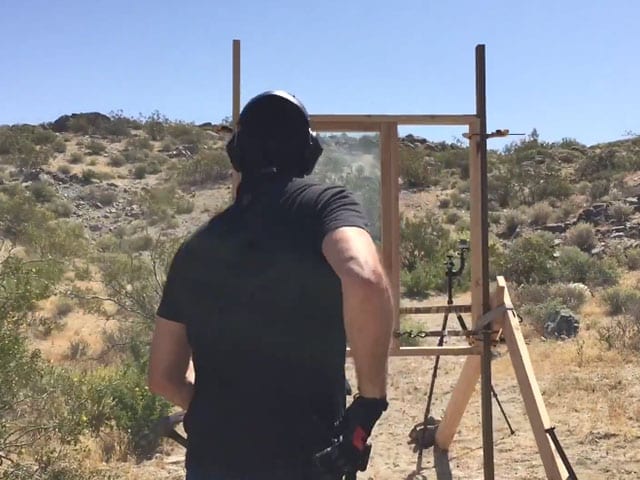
(490, 313)
(387, 127)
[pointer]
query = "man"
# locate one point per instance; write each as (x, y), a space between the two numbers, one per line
(263, 298)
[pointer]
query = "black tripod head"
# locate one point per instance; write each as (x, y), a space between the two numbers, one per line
(452, 272)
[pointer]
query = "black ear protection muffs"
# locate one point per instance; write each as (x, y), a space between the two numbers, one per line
(258, 117)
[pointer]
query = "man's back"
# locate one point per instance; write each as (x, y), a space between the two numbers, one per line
(263, 311)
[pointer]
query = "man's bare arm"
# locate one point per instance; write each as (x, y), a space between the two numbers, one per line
(170, 369)
(367, 303)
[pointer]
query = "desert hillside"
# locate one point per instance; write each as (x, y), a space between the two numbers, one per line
(93, 206)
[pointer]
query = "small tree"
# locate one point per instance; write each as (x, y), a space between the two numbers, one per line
(529, 259)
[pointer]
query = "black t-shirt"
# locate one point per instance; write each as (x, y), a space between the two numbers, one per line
(263, 312)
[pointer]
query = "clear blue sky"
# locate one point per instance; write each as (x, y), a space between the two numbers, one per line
(566, 67)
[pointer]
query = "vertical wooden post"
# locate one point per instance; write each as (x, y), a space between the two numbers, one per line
(487, 407)
(235, 107)
(389, 198)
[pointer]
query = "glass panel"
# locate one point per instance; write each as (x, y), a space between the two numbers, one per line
(353, 160)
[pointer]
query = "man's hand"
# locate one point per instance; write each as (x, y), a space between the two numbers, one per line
(350, 451)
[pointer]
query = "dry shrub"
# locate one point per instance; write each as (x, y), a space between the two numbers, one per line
(513, 219)
(620, 212)
(582, 236)
(540, 214)
(633, 258)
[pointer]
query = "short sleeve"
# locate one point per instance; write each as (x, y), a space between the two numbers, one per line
(170, 307)
(337, 207)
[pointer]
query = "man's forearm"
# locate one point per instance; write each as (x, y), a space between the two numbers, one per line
(177, 392)
(368, 312)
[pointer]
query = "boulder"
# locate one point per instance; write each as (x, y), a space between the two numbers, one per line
(562, 324)
(90, 121)
(554, 228)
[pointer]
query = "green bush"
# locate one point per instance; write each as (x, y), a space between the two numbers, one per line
(599, 165)
(119, 126)
(422, 280)
(42, 192)
(64, 169)
(210, 166)
(63, 307)
(452, 217)
(186, 133)
(135, 155)
(35, 399)
(155, 125)
(89, 174)
(632, 257)
(599, 189)
(135, 281)
(424, 245)
(139, 172)
(622, 333)
(620, 212)
(106, 197)
(138, 243)
(61, 239)
(99, 194)
(572, 296)
(455, 158)
(117, 160)
(513, 219)
(537, 314)
(184, 206)
(540, 214)
(460, 200)
(444, 202)
(583, 188)
(139, 143)
(95, 147)
(60, 208)
(583, 236)
(529, 259)
(120, 395)
(621, 300)
(109, 243)
(25, 146)
(76, 158)
(574, 265)
(59, 146)
(414, 169)
(20, 214)
(551, 185)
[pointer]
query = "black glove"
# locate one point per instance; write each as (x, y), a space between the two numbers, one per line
(350, 451)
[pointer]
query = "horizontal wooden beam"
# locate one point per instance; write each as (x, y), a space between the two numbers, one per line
(434, 351)
(411, 119)
(435, 309)
(345, 126)
(442, 333)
